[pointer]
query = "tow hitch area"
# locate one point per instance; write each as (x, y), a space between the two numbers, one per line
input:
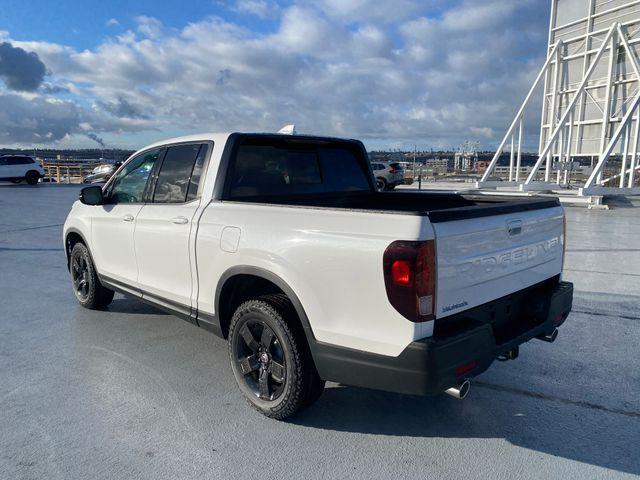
(510, 355)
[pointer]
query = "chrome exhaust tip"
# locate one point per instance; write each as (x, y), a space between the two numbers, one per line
(549, 338)
(460, 391)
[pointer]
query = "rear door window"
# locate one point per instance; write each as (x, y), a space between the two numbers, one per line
(179, 176)
(196, 183)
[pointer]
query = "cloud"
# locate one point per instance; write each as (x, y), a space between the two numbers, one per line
(20, 70)
(50, 88)
(484, 132)
(122, 108)
(373, 10)
(36, 120)
(259, 8)
(387, 73)
(112, 22)
(149, 26)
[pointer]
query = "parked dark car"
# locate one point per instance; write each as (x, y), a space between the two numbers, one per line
(102, 173)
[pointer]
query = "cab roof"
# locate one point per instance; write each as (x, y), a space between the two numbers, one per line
(222, 138)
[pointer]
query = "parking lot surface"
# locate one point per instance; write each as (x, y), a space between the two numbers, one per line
(131, 392)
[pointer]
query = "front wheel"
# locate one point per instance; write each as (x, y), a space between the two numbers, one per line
(86, 285)
(270, 359)
(381, 183)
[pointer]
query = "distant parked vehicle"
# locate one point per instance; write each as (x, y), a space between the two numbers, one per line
(388, 175)
(16, 168)
(102, 173)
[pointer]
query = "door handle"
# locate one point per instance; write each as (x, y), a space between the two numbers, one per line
(180, 220)
(127, 218)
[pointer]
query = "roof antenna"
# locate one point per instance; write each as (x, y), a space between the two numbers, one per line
(288, 130)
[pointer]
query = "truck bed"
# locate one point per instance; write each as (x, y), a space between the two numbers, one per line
(439, 207)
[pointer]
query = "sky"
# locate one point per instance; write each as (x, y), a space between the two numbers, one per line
(431, 73)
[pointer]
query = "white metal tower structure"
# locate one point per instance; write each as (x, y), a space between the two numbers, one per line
(466, 157)
(591, 104)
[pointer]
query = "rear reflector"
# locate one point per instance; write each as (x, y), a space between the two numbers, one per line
(466, 368)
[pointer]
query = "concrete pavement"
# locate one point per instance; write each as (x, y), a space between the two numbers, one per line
(131, 392)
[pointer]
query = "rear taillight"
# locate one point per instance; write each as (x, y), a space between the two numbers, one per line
(392, 170)
(410, 278)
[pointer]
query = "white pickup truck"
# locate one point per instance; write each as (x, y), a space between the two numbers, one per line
(282, 245)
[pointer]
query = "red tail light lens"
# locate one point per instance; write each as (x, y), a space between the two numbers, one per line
(401, 273)
(410, 278)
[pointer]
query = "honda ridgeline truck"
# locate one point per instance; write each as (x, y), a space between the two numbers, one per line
(283, 246)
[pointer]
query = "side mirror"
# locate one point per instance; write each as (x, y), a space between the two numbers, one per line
(92, 195)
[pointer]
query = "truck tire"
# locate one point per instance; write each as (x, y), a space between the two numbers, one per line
(32, 177)
(86, 285)
(270, 359)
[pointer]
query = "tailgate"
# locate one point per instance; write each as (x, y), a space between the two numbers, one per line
(484, 258)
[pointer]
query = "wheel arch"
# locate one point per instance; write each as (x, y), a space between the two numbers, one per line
(233, 279)
(71, 237)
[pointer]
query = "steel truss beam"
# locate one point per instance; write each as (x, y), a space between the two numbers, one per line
(558, 142)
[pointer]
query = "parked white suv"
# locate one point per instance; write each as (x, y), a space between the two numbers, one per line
(282, 245)
(388, 175)
(16, 168)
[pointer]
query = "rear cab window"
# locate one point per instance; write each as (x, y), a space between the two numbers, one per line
(265, 166)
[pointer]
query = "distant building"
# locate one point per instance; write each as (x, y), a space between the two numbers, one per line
(437, 165)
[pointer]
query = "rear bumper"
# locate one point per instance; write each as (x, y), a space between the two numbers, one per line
(463, 345)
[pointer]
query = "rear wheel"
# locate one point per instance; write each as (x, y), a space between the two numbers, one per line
(16, 180)
(86, 285)
(32, 177)
(270, 359)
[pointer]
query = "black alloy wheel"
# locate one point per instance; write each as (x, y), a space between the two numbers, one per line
(270, 357)
(86, 284)
(261, 360)
(81, 277)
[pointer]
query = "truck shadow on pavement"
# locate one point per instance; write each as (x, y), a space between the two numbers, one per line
(580, 433)
(133, 307)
